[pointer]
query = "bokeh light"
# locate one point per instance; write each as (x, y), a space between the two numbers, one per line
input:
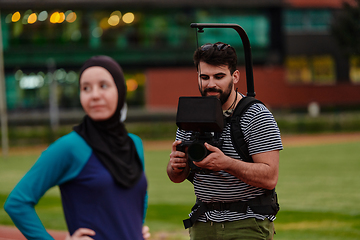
(76, 35)
(32, 18)
(19, 74)
(118, 13)
(60, 75)
(114, 20)
(97, 32)
(62, 17)
(55, 17)
(132, 85)
(25, 19)
(16, 17)
(128, 17)
(26, 16)
(71, 77)
(71, 17)
(31, 81)
(42, 16)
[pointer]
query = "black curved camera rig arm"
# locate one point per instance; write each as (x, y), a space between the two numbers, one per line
(247, 50)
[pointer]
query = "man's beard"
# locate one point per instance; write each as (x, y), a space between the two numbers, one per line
(224, 96)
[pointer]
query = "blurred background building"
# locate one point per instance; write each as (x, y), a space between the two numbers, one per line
(297, 58)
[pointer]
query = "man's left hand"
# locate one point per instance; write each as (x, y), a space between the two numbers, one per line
(215, 161)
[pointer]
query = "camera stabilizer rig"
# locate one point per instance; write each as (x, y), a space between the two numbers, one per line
(203, 115)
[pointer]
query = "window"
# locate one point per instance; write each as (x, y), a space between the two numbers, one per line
(307, 20)
(355, 69)
(318, 69)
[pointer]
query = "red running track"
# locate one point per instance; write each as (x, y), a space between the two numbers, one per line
(12, 233)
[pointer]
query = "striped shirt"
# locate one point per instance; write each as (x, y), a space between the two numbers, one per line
(262, 134)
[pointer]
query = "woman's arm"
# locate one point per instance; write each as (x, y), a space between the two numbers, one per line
(58, 164)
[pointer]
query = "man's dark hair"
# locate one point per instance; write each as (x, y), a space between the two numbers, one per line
(216, 54)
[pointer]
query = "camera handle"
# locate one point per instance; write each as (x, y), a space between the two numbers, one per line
(246, 45)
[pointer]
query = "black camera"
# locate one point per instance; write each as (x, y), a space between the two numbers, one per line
(196, 150)
(204, 117)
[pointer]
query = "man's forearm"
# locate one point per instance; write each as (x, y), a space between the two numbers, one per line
(254, 174)
(261, 173)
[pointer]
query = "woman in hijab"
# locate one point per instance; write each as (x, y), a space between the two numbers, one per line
(98, 167)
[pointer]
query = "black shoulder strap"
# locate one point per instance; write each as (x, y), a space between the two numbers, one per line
(268, 202)
(237, 136)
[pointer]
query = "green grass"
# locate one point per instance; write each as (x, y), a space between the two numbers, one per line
(318, 192)
(317, 225)
(320, 178)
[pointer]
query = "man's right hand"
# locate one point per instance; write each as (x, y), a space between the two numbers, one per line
(178, 167)
(178, 159)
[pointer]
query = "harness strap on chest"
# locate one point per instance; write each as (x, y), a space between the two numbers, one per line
(237, 137)
(265, 204)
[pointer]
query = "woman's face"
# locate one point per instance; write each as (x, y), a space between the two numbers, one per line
(98, 93)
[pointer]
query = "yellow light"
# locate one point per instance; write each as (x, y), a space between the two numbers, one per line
(132, 85)
(114, 20)
(55, 17)
(128, 17)
(71, 17)
(15, 17)
(62, 17)
(32, 18)
(104, 23)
